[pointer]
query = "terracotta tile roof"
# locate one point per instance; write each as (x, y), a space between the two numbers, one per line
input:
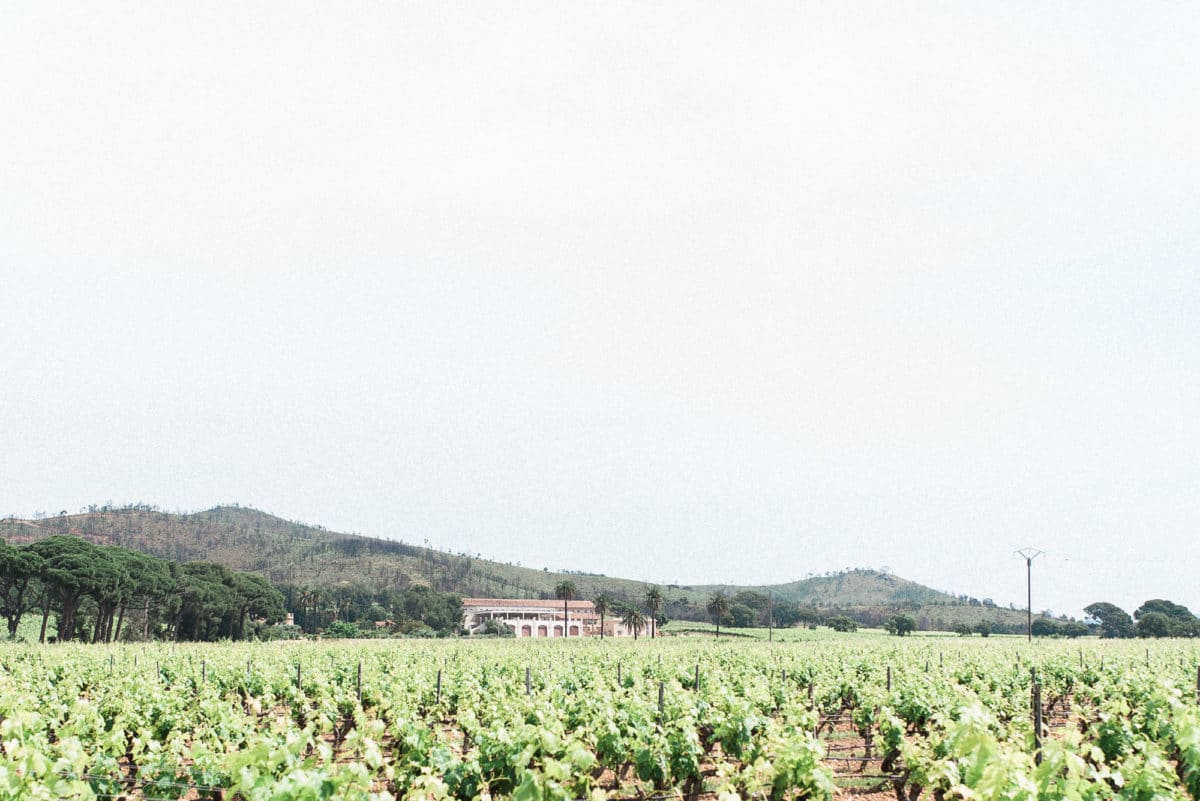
(526, 603)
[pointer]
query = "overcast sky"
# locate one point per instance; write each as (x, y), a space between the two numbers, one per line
(682, 292)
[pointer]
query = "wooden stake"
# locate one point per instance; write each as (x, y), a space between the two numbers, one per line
(1037, 724)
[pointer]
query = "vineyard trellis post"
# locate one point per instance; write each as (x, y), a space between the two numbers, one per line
(1037, 723)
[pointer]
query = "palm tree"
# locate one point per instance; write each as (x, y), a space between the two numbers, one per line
(718, 607)
(601, 604)
(634, 619)
(653, 603)
(565, 591)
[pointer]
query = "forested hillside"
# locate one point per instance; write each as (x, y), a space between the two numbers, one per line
(297, 555)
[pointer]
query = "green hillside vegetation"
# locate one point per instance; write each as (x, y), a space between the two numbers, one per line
(293, 554)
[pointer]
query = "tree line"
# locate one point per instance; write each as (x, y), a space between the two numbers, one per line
(104, 593)
(349, 610)
(1155, 618)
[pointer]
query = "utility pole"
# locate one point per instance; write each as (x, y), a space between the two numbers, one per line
(1029, 554)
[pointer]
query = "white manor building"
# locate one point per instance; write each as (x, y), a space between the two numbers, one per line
(529, 618)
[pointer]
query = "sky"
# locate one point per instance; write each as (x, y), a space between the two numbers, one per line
(685, 292)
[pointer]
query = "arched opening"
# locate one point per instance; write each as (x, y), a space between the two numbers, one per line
(557, 631)
(574, 631)
(526, 630)
(542, 631)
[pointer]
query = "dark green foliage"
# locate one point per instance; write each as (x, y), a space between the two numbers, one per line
(1175, 620)
(1154, 624)
(603, 604)
(842, 623)
(1115, 622)
(71, 570)
(755, 600)
(1074, 629)
(498, 629)
(786, 614)
(900, 625)
(653, 603)
(20, 586)
(1045, 628)
(742, 616)
(718, 608)
(407, 611)
(340, 629)
(633, 619)
(90, 588)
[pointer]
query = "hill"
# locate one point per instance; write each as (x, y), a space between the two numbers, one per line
(861, 587)
(290, 552)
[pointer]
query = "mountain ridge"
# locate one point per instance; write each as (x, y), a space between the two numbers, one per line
(290, 552)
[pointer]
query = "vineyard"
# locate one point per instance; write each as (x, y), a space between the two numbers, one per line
(557, 721)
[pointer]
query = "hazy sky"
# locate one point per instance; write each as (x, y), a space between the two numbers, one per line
(683, 292)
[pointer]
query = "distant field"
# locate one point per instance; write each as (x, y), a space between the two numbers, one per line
(822, 633)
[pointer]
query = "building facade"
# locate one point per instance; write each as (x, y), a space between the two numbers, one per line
(533, 619)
